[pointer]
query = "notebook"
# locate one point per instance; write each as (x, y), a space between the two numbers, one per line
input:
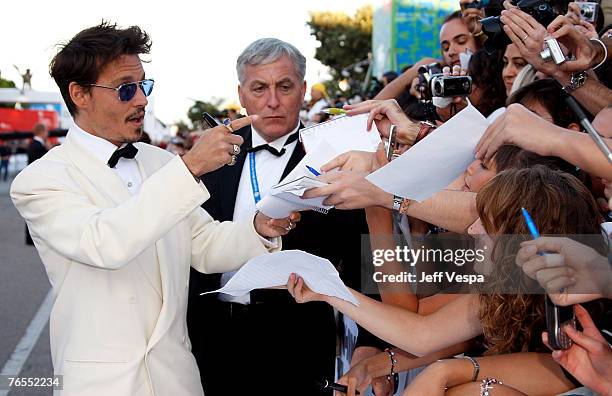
(285, 198)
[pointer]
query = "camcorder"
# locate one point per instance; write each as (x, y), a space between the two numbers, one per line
(432, 83)
(541, 10)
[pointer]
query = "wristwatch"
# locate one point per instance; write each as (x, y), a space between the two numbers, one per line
(397, 202)
(577, 80)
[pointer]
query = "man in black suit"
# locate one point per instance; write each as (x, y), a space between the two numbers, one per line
(35, 150)
(265, 343)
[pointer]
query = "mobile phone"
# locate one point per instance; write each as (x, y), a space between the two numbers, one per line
(392, 142)
(209, 120)
(556, 318)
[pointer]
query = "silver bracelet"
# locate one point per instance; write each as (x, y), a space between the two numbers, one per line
(605, 58)
(487, 384)
(476, 367)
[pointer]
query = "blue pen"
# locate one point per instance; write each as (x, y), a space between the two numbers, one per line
(530, 224)
(313, 170)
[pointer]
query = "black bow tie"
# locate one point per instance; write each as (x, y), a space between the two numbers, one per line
(129, 152)
(271, 149)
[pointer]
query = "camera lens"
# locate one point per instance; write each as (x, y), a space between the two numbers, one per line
(438, 88)
(586, 12)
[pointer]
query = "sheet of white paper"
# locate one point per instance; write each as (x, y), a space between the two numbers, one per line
(435, 161)
(272, 270)
(343, 134)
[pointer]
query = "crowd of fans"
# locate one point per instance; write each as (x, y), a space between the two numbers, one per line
(535, 155)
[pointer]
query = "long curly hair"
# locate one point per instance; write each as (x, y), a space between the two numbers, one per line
(559, 204)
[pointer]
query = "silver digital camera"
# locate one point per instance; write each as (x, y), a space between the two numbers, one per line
(588, 10)
(552, 50)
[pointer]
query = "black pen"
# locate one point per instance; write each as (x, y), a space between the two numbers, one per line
(325, 384)
(209, 120)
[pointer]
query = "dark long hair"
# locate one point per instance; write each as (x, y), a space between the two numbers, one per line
(485, 71)
(549, 94)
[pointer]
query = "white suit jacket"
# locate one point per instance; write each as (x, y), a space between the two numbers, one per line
(119, 267)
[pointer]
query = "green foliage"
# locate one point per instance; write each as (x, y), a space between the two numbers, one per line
(7, 83)
(345, 40)
(196, 111)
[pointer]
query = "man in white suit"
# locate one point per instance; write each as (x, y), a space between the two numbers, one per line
(118, 229)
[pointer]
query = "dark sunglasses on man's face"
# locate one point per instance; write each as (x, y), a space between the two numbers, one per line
(128, 90)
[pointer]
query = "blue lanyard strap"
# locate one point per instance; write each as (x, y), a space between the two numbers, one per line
(254, 183)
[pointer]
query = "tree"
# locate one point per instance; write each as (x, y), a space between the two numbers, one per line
(345, 42)
(7, 84)
(196, 111)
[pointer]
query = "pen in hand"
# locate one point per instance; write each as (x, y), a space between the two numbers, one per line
(313, 170)
(325, 384)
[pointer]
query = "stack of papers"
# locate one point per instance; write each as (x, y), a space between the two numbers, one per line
(273, 270)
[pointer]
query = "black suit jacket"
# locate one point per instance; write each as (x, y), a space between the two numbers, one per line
(335, 236)
(35, 150)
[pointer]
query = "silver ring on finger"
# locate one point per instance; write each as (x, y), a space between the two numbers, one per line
(525, 38)
(291, 225)
(228, 124)
(232, 161)
(236, 149)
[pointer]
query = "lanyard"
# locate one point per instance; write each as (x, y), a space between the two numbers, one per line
(254, 183)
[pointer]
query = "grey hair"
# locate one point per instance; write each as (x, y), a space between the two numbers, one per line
(268, 50)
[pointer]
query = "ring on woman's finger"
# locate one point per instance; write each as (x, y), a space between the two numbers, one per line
(525, 38)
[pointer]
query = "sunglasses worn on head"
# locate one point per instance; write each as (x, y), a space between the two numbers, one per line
(127, 91)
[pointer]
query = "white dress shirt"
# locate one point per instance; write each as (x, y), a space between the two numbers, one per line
(269, 169)
(126, 169)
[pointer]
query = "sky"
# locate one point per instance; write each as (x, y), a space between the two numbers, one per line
(195, 43)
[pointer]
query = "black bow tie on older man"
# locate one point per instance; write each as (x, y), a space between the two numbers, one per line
(271, 149)
(128, 151)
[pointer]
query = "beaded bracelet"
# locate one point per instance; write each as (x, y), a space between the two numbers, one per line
(393, 363)
(487, 384)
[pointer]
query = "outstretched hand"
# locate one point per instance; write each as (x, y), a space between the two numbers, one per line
(300, 292)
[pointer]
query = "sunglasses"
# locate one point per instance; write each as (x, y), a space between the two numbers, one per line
(127, 91)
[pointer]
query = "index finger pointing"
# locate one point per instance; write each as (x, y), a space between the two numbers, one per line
(244, 121)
